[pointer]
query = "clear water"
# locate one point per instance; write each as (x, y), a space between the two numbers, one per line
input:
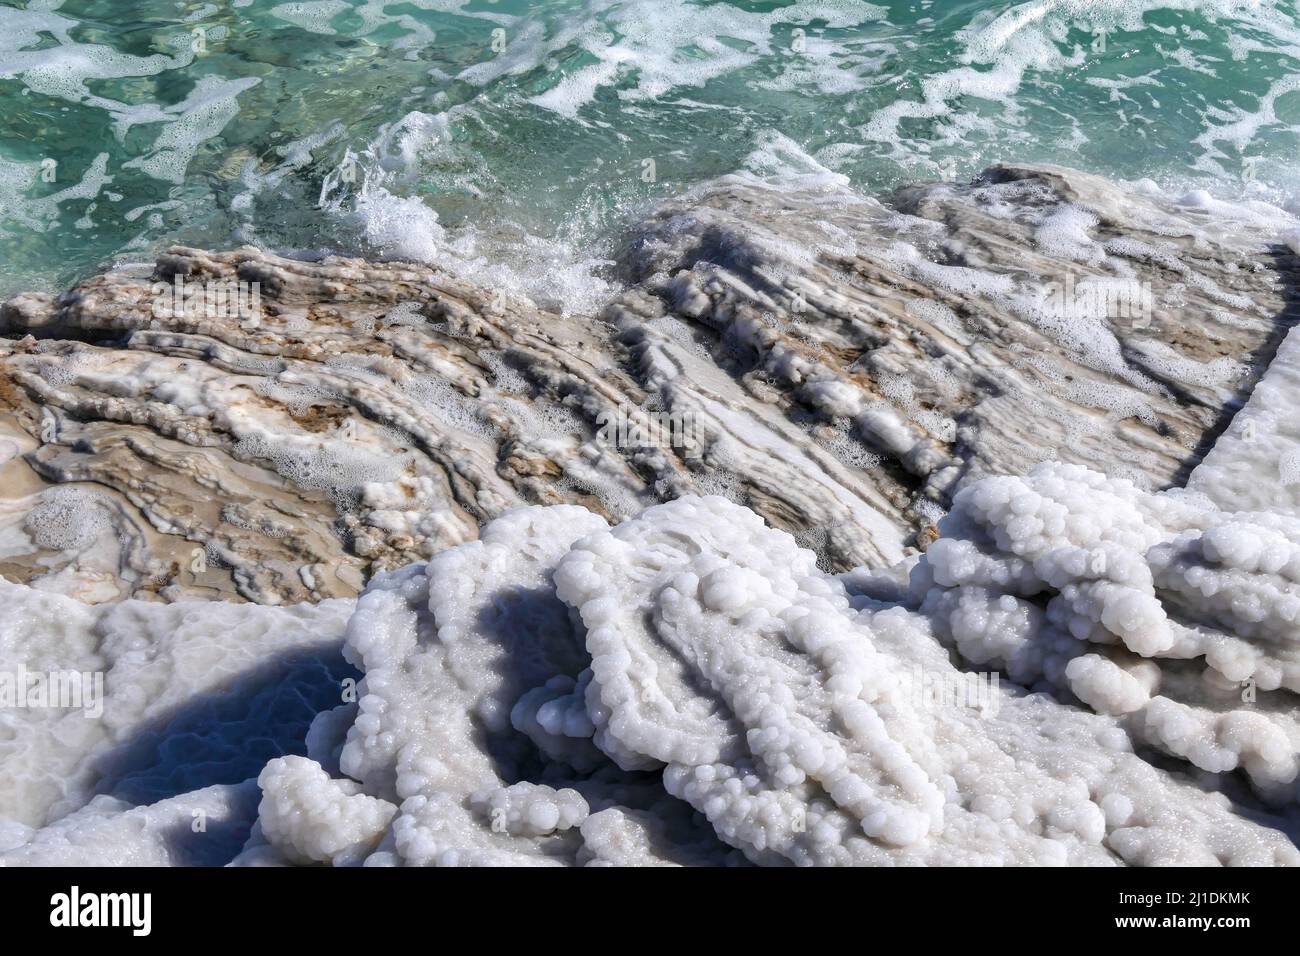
(517, 136)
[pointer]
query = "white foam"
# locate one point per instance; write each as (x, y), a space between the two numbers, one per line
(311, 15)
(202, 115)
(643, 42)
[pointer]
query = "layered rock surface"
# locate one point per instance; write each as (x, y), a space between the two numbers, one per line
(839, 365)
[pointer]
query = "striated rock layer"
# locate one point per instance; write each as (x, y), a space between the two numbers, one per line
(840, 365)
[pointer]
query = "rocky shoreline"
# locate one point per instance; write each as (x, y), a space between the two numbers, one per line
(843, 365)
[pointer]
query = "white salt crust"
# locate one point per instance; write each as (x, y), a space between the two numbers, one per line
(688, 687)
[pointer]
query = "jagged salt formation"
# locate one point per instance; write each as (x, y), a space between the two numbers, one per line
(543, 694)
(846, 364)
(1180, 615)
(694, 658)
(450, 652)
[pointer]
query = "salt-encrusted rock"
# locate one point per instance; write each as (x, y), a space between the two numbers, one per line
(1162, 607)
(528, 809)
(448, 649)
(799, 730)
(310, 817)
(199, 828)
(838, 364)
(141, 700)
(736, 696)
(1255, 464)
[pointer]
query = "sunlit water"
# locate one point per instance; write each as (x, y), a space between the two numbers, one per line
(517, 137)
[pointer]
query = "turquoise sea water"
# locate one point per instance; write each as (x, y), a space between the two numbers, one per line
(520, 135)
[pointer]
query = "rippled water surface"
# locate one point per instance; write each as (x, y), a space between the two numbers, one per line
(517, 136)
